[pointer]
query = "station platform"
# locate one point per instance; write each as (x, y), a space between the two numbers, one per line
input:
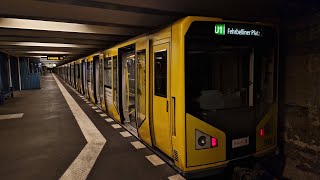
(54, 133)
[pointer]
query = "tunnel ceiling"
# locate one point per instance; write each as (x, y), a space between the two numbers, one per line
(76, 28)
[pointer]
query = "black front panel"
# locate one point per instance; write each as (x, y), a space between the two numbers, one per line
(236, 123)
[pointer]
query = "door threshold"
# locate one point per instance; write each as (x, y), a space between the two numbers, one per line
(131, 129)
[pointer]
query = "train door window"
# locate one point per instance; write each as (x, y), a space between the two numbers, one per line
(141, 86)
(108, 80)
(78, 71)
(83, 76)
(160, 70)
(107, 72)
(75, 74)
(88, 71)
(100, 80)
(72, 73)
(115, 80)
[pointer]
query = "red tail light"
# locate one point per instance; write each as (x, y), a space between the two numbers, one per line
(262, 132)
(214, 142)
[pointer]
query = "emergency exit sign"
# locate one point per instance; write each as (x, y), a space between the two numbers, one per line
(219, 29)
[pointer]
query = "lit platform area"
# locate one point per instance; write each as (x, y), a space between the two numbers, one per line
(54, 133)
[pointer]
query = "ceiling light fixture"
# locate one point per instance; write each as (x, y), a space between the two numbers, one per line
(48, 52)
(39, 44)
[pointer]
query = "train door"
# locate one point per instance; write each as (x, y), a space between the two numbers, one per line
(79, 84)
(75, 71)
(72, 74)
(95, 77)
(142, 91)
(65, 74)
(88, 77)
(115, 82)
(83, 75)
(161, 98)
(128, 86)
(69, 73)
(101, 79)
(108, 82)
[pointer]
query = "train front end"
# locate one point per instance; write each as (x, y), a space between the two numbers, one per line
(230, 90)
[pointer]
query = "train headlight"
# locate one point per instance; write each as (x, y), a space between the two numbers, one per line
(204, 141)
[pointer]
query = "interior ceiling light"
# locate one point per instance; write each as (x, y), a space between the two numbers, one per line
(38, 44)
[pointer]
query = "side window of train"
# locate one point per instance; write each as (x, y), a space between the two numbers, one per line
(160, 73)
(107, 72)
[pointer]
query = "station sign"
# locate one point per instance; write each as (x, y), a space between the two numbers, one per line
(55, 58)
(237, 30)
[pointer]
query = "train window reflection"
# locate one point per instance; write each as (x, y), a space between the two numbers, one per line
(218, 79)
(107, 72)
(141, 86)
(264, 79)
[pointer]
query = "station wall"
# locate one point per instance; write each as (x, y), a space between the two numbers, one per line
(19, 73)
(4, 72)
(14, 75)
(300, 95)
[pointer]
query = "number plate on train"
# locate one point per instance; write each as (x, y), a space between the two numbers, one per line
(240, 142)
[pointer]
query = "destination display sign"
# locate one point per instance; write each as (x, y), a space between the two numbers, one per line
(55, 58)
(237, 30)
(229, 33)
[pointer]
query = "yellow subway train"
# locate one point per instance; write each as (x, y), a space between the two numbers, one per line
(203, 92)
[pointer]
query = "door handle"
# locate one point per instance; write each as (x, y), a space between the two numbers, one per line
(174, 115)
(167, 105)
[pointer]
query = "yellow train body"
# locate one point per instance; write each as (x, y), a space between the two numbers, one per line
(162, 121)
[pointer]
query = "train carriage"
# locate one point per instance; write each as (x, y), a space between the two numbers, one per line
(203, 91)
